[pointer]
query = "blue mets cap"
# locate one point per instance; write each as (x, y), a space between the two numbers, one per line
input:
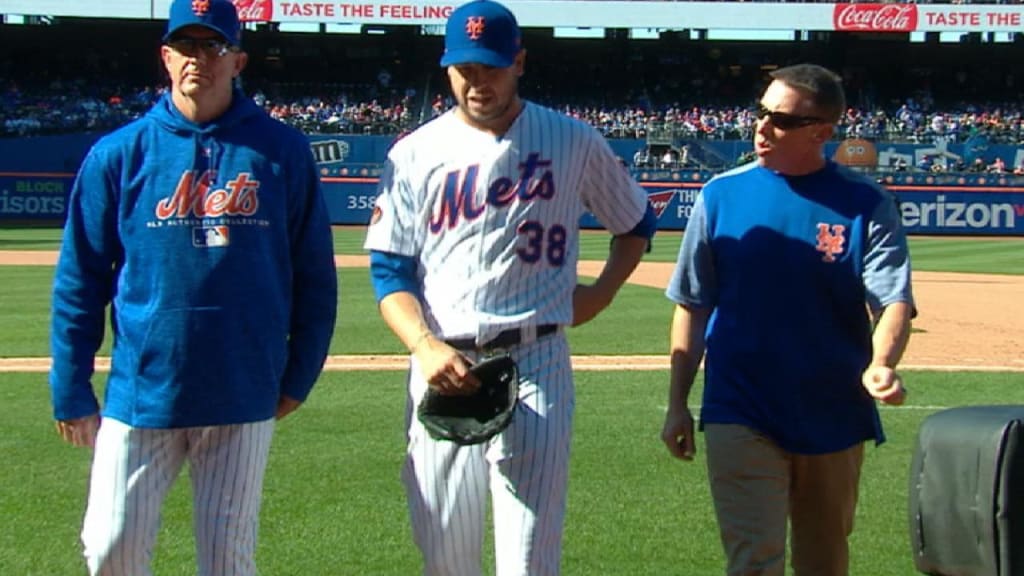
(217, 15)
(481, 32)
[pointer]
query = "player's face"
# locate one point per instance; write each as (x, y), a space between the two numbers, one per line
(789, 135)
(199, 61)
(487, 96)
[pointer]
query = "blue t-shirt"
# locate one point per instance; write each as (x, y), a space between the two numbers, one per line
(790, 266)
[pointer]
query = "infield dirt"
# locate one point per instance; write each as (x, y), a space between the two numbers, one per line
(965, 321)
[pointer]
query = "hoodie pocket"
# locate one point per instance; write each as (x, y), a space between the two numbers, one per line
(210, 358)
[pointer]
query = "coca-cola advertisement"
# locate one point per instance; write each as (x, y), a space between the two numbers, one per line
(254, 10)
(875, 17)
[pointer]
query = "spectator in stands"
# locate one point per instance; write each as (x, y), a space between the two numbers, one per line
(669, 159)
(998, 166)
(642, 157)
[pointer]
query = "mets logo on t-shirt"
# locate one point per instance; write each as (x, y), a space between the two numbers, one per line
(831, 241)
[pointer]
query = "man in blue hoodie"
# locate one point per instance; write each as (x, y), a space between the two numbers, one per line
(204, 228)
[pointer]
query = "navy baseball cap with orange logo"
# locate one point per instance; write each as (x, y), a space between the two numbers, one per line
(217, 15)
(481, 32)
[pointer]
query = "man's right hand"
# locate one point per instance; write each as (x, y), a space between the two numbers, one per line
(444, 368)
(80, 431)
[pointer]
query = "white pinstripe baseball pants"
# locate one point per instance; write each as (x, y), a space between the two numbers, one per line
(525, 469)
(134, 468)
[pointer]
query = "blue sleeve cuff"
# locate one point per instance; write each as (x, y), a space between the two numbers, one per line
(647, 225)
(392, 273)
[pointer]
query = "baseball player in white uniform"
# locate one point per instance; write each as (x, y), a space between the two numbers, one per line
(473, 247)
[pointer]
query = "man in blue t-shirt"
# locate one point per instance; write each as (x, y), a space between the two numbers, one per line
(794, 275)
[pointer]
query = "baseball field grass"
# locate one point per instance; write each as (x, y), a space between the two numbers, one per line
(333, 503)
(997, 255)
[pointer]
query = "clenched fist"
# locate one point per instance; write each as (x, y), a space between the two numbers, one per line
(884, 384)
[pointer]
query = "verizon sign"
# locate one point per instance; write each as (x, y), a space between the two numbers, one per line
(875, 17)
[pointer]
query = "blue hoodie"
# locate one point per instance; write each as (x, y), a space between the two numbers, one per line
(213, 246)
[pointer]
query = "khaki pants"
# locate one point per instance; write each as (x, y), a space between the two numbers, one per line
(757, 486)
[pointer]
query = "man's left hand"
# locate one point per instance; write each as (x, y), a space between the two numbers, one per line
(884, 384)
(285, 406)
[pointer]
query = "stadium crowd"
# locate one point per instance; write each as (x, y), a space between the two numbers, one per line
(373, 84)
(79, 106)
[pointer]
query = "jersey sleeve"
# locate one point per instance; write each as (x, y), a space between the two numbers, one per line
(887, 259)
(392, 225)
(693, 279)
(609, 192)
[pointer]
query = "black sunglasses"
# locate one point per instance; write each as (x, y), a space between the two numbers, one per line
(784, 120)
(212, 47)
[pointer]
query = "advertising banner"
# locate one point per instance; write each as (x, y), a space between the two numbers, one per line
(925, 209)
(970, 18)
(36, 176)
(961, 211)
(846, 17)
(34, 196)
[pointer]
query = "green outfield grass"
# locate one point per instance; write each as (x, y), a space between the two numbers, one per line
(990, 255)
(639, 318)
(333, 503)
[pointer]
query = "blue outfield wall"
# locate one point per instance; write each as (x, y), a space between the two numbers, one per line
(926, 210)
(36, 175)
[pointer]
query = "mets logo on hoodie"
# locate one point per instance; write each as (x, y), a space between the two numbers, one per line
(195, 199)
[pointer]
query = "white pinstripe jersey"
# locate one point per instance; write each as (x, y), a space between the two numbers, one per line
(494, 221)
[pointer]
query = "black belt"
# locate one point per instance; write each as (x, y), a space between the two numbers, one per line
(504, 339)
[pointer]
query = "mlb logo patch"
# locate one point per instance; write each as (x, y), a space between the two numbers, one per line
(210, 236)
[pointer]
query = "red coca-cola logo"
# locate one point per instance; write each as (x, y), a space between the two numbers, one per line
(254, 10)
(875, 17)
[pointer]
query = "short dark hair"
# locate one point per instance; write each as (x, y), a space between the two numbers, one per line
(824, 87)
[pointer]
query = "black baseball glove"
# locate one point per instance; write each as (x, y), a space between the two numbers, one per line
(478, 417)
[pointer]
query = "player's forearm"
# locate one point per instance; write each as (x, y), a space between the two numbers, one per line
(404, 315)
(687, 350)
(891, 334)
(624, 255)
